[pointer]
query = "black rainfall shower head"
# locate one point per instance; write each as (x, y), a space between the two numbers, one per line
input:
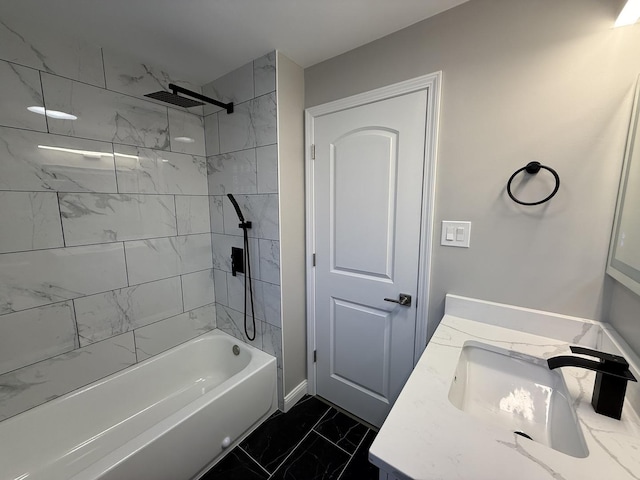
(174, 99)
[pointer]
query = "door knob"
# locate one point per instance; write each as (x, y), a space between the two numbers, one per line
(403, 299)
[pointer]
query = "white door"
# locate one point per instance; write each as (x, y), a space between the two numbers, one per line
(368, 178)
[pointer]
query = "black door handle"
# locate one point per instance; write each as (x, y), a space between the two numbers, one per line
(403, 299)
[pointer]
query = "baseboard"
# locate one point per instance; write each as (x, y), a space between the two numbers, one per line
(296, 394)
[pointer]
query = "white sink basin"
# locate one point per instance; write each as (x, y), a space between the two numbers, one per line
(517, 392)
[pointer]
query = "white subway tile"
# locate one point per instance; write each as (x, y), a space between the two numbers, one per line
(187, 133)
(267, 166)
(216, 214)
(212, 140)
(232, 322)
(35, 161)
(41, 277)
(29, 221)
(64, 56)
(220, 284)
(264, 74)
(89, 218)
(236, 86)
(270, 261)
(198, 289)
(154, 259)
(232, 173)
(252, 124)
(20, 90)
(126, 74)
(37, 334)
(107, 314)
(163, 335)
(143, 170)
(33, 385)
(193, 214)
(105, 115)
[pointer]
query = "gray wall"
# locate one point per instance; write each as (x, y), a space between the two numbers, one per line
(523, 80)
(105, 254)
(292, 225)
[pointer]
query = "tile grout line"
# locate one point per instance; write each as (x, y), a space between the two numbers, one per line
(91, 139)
(108, 291)
(126, 267)
(254, 460)
(113, 242)
(75, 321)
(182, 292)
(115, 167)
(275, 144)
(44, 104)
(104, 68)
(333, 443)
(300, 442)
(175, 211)
(129, 193)
(354, 453)
(135, 345)
(64, 240)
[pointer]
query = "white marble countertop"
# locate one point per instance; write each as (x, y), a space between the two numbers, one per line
(427, 437)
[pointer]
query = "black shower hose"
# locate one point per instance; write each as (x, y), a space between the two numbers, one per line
(247, 277)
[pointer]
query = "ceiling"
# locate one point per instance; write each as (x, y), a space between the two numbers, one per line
(204, 39)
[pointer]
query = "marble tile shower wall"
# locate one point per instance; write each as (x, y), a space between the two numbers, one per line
(242, 159)
(105, 243)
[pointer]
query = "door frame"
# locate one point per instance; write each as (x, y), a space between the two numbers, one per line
(432, 84)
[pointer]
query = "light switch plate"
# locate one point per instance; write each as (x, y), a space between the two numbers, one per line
(451, 236)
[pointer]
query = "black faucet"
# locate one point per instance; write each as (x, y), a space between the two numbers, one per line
(611, 378)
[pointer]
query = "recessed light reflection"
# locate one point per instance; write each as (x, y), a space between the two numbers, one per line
(38, 110)
(87, 153)
(52, 113)
(184, 139)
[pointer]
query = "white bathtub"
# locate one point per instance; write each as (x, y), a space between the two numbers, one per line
(164, 418)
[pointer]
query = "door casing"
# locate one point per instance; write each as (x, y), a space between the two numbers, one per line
(432, 84)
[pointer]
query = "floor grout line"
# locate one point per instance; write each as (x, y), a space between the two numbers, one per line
(354, 454)
(256, 462)
(349, 414)
(332, 443)
(300, 442)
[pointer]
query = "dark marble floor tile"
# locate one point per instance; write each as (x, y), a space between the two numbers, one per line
(314, 459)
(359, 467)
(236, 466)
(341, 429)
(278, 436)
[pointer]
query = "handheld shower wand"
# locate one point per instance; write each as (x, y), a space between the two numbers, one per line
(245, 226)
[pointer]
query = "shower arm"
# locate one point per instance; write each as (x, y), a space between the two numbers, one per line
(175, 89)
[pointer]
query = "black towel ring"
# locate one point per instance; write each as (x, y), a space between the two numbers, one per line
(533, 168)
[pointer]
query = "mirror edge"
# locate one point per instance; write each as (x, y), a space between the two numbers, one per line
(616, 274)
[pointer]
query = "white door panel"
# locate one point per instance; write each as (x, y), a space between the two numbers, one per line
(364, 211)
(368, 177)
